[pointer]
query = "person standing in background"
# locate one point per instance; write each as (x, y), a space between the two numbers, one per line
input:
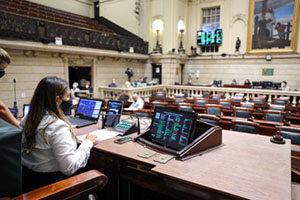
(5, 114)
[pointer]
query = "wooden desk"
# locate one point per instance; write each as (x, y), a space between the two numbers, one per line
(267, 127)
(246, 167)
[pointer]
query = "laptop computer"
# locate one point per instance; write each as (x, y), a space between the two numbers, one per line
(113, 113)
(87, 112)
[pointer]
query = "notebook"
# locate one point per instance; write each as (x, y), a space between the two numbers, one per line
(87, 112)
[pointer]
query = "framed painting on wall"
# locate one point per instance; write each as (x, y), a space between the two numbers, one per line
(272, 26)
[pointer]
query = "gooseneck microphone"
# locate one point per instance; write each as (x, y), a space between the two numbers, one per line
(15, 102)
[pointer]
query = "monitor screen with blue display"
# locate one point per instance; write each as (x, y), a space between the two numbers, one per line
(89, 108)
(172, 128)
(212, 37)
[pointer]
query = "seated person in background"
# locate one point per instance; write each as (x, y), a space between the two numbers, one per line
(136, 83)
(113, 83)
(137, 103)
(74, 89)
(87, 86)
(234, 82)
(247, 82)
(284, 86)
(190, 81)
(127, 85)
(49, 145)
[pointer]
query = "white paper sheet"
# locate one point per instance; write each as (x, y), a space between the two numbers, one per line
(102, 134)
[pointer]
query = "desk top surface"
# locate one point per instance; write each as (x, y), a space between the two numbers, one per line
(245, 166)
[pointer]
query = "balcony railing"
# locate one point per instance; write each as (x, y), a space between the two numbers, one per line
(172, 90)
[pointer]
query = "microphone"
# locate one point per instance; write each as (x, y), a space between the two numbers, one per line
(15, 102)
(138, 126)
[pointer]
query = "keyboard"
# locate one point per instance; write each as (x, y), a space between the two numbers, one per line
(78, 122)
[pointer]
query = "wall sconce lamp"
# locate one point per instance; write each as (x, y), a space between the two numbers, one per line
(157, 27)
(181, 28)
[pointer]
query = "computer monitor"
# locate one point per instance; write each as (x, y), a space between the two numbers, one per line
(171, 128)
(113, 113)
(217, 82)
(256, 83)
(26, 108)
(276, 85)
(266, 84)
(89, 108)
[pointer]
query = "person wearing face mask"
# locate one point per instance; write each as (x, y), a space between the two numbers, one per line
(284, 86)
(5, 114)
(49, 145)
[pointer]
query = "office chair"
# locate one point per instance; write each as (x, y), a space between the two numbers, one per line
(273, 115)
(245, 126)
(11, 173)
(291, 133)
(242, 112)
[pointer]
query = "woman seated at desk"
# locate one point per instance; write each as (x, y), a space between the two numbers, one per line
(49, 145)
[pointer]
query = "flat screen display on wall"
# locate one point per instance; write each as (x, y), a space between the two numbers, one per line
(206, 38)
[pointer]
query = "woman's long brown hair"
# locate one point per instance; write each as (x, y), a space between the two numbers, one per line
(43, 101)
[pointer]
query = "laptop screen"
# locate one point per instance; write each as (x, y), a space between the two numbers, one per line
(172, 128)
(89, 108)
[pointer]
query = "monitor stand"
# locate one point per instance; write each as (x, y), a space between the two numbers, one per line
(206, 136)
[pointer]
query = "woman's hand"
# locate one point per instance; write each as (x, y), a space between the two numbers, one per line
(91, 137)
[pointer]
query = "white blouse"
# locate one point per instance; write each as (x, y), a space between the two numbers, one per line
(61, 152)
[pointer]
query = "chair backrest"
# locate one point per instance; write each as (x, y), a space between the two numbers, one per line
(186, 108)
(225, 103)
(213, 109)
(10, 156)
(179, 96)
(277, 107)
(160, 94)
(206, 95)
(242, 112)
(272, 115)
(201, 102)
(245, 126)
(258, 100)
(281, 101)
(291, 133)
(211, 119)
(144, 113)
(247, 105)
(179, 100)
(237, 99)
(124, 97)
(159, 104)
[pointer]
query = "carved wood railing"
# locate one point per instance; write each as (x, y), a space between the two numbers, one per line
(172, 90)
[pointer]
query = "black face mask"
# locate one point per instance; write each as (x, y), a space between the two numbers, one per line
(2, 73)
